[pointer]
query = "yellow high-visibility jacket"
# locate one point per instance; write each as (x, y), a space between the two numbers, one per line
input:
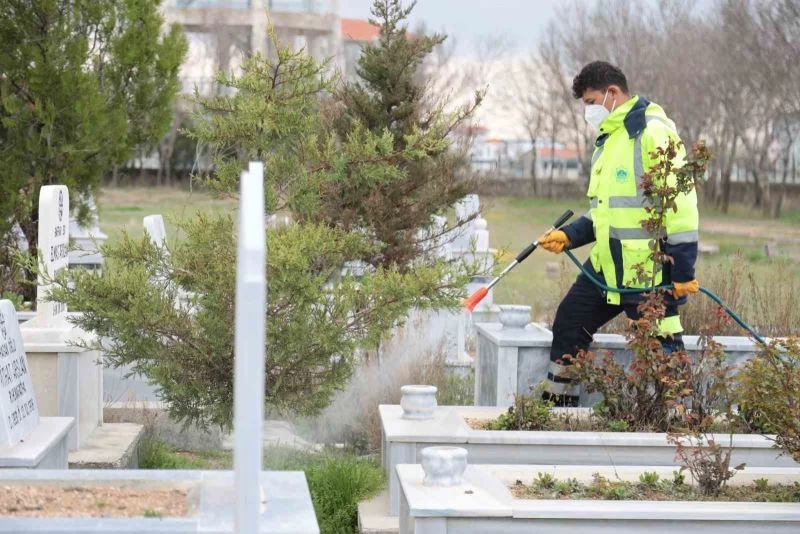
(622, 155)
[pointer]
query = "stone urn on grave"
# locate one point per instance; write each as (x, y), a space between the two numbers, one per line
(514, 316)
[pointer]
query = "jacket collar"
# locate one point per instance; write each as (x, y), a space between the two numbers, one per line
(630, 114)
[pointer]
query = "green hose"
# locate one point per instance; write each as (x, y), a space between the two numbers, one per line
(628, 290)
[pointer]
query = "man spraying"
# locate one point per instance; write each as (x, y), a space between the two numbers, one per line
(629, 129)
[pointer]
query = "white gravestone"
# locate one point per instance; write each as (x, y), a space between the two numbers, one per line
(466, 208)
(249, 374)
(122, 382)
(53, 248)
(18, 409)
(67, 376)
(274, 222)
(19, 236)
(87, 240)
(481, 235)
(441, 241)
(483, 254)
(154, 226)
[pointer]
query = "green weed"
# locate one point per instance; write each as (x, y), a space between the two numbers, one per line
(761, 484)
(155, 455)
(617, 426)
(529, 412)
(567, 487)
(544, 481)
(649, 479)
(337, 483)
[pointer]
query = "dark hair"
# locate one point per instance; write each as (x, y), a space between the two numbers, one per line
(598, 75)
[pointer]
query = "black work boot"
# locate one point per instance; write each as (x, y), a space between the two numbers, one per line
(672, 343)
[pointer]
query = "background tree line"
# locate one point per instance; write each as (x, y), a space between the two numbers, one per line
(724, 71)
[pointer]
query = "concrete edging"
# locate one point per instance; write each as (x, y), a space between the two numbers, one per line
(288, 508)
(485, 504)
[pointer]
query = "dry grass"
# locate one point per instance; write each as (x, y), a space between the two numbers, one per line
(763, 293)
(353, 418)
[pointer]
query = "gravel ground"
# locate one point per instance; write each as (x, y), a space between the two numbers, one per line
(94, 501)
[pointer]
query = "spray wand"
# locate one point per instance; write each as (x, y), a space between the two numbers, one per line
(479, 295)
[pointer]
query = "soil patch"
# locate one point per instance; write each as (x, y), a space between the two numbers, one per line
(560, 422)
(92, 501)
(566, 422)
(650, 488)
(476, 424)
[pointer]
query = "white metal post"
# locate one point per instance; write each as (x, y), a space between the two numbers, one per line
(249, 377)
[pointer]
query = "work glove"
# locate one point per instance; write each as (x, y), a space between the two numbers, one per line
(555, 241)
(681, 289)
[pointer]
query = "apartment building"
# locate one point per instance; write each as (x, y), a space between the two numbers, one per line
(222, 32)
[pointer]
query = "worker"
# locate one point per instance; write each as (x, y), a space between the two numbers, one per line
(629, 129)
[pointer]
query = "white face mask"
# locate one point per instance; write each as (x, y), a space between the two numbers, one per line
(595, 114)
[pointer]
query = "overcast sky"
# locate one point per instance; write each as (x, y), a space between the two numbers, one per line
(467, 21)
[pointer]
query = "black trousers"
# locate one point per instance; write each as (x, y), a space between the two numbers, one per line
(580, 315)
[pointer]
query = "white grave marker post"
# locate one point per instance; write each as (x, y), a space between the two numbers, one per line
(467, 207)
(53, 247)
(18, 409)
(441, 241)
(154, 226)
(19, 237)
(248, 382)
(87, 239)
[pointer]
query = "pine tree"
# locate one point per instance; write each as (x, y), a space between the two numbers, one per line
(389, 97)
(82, 82)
